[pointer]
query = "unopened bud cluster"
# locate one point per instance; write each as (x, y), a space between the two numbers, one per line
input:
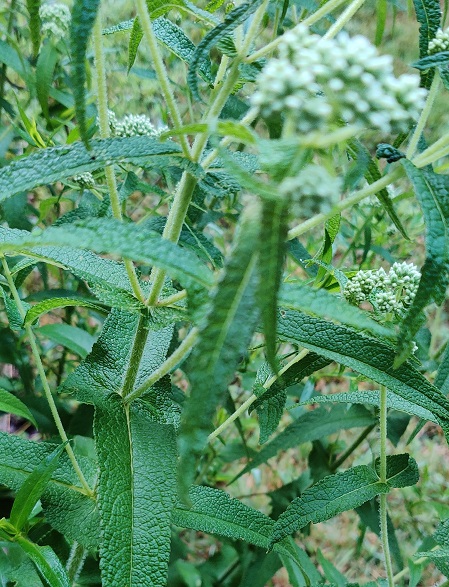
(440, 42)
(84, 180)
(389, 293)
(55, 20)
(132, 125)
(317, 81)
(312, 191)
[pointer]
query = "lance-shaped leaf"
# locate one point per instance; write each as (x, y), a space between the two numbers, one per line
(215, 512)
(58, 163)
(66, 505)
(136, 494)
(271, 245)
(32, 489)
(47, 563)
(52, 303)
(84, 13)
(432, 192)
(442, 377)
(428, 14)
(340, 492)
(45, 66)
(271, 401)
(223, 340)
(441, 58)
(366, 356)
(312, 426)
(75, 339)
(10, 404)
(235, 18)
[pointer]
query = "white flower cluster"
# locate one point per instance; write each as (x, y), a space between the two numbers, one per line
(317, 81)
(132, 125)
(312, 191)
(389, 293)
(440, 42)
(55, 19)
(84, 180)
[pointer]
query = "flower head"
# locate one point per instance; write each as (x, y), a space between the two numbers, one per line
(440, 42)
(55, 19)
(84, 180)
(317, 81)
(132, 125)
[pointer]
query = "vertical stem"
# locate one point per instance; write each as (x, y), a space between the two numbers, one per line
(383, 479)
(44, 381)
(136, 354)
(433, 92)
(161, 72)
(111, 182)
(343, 19)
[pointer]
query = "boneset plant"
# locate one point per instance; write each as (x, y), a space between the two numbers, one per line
(152, 258)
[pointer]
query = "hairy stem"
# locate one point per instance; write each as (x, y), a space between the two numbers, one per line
(140, 339)
(383, 479)
(75, 562)
(161, 72)
(168, 365)
(268, 383)
(44, 381)
(111, 182)
(433, 92)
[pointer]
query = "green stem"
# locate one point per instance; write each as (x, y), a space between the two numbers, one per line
(343, 19)
(167, 366)
(140, 340)
(111, 182)
(383, 479)
(44, 381)
(161, 72)
(171, 300)
(312, 19)
(268, 383)
(433, 92)
(75, 562)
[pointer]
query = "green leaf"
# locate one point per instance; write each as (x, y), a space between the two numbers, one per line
(442, 377)
(340, 492)
(366, 356)
(74, 339)
(45, 66)
(321, 303)
(35, 24)
(439, 557)
(428, 14)
(402, 470)
(52, 303)
(58, 163)
(32, 489)
(232, 20)
(312, 426)
(12, 58)
(66, 505)
(432, 192)
(434, 60)
(47, 563)
(213, 511)
(12, 311)
(136, 494)
(372, 398)
(224, 338)
(84, 13)
(330, 571)
(271, 246)
(12, 405)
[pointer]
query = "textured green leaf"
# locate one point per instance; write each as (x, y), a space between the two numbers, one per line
(58, 163)
(432, 192)
(337, 493)
(45, 67)
(84, 13)
(52, 303)
(223, 339)
(312, 426)
(136, 494)
(10, 404)
(35, 24)
(439, 557)
(428, 14)
(271, 245)
(74, 339)
(66, 505)
(103, 371)
(232, 20)
(429, 61)
(442, 377)
(270, 403)
(372, 398)
(321, 303)
(173, 38)
(32, 489)
(402, 470)
(366, 356)
(215, 512)
(46, 562)
(12, 311)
